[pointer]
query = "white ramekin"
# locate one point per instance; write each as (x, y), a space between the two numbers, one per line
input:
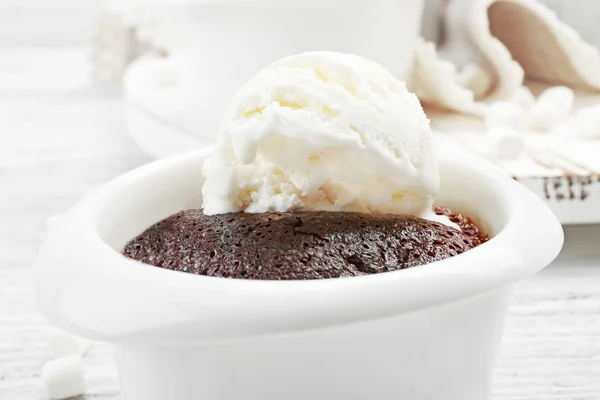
(430, 332)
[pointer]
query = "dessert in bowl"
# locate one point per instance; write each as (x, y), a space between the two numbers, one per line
(298, 246)
(331, 160)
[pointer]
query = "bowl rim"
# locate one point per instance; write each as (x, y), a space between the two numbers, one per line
(531, 238)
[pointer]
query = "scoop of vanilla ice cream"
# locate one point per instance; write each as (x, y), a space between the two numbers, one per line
(323, 131)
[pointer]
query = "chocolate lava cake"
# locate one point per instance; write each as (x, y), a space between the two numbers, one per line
(301, 245)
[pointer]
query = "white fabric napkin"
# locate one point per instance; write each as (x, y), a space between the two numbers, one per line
(488, 48)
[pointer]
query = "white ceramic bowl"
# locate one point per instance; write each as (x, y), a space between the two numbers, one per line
(222, 44)
(430, 332)
(228, 42)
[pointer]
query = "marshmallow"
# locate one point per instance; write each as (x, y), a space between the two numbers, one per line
(504, 114)
(587, 122)
(523, 99)
(475, 79)
(545, 116)
(561, 96)
(505, 142)
(552, 107)
(63, 378)
(63, 344)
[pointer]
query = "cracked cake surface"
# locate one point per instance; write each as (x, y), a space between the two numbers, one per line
(299, 246)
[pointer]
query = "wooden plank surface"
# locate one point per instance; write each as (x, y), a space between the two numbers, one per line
(56, 144)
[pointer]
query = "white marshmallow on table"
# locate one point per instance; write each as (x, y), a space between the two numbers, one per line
(552, 107)
(505, 114)
(545, 117)
(63, 344)
(63, 377)
(587, 122)
(475, 79)
(505, 142)
(523, 99)
(562, 96)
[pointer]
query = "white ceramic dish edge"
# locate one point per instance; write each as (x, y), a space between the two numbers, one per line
(76, 259)
(428, 333)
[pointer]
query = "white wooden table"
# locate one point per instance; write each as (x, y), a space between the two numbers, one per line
(59, 139)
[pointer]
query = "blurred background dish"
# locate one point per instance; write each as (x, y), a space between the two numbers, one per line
(219, 45)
